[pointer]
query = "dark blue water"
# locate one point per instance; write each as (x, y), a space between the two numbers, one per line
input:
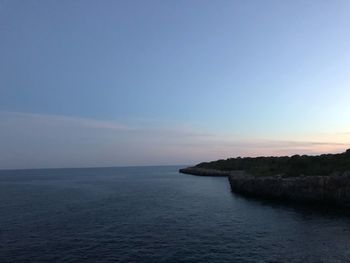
(155, 214)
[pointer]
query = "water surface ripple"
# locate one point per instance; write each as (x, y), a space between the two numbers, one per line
(155, 214)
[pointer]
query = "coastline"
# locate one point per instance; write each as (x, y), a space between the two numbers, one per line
(331, 189)
(203, 171)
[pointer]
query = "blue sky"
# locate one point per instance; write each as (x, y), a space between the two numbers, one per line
(104, 83)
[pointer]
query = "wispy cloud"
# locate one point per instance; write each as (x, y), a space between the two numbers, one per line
(41, 140)
(49, 119)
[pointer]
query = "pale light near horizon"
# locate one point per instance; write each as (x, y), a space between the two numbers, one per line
(117, 83)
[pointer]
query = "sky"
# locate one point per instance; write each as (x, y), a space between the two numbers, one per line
(122, 83)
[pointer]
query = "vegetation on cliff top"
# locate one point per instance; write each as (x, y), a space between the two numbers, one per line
(295, 165)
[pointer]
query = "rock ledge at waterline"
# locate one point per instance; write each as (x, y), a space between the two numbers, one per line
(291, 184)
(331, 189)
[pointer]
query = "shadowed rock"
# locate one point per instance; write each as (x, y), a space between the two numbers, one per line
(203, 171)
(331, 189)
(323, 179)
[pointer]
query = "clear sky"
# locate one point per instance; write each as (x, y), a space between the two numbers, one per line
(113, 83)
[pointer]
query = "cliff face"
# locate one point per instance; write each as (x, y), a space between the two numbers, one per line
(332, 189)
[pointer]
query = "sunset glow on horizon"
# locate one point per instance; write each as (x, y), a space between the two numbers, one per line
(120, 83)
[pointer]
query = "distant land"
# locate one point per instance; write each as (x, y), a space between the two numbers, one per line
(322, 179)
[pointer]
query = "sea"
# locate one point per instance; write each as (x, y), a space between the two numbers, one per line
(156, 214)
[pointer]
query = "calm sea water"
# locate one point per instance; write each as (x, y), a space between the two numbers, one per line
(155, 214)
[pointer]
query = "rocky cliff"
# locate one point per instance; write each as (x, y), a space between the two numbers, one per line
(330, 189)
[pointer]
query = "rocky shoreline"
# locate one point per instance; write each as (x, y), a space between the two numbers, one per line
(329, 189)
(203, 172)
